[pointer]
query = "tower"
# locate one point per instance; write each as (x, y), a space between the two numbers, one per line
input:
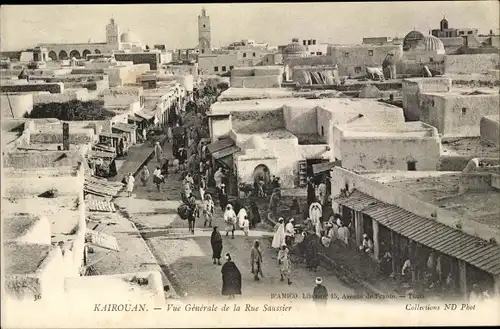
(443, 25)
(112, 33)
(204, 37)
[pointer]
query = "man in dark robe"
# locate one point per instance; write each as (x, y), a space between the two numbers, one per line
(222, 197)
(255, 215)
(311, 246)
(191, 202)
(231, 278)
(311, 192)
(216, 242)
(320, 294)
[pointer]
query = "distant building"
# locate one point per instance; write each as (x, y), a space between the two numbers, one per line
(465, 40)
(128, 41)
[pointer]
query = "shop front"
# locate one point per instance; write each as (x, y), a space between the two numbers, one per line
(424, 254)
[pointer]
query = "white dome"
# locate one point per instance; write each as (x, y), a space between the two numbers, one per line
(129, 37)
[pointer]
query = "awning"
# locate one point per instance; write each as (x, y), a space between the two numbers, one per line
(99, 205)
(101, 240)
(100, 154)
(220, 145)
(145, 114)
(124, 127)
(430, 233)
(110, 135)
(135, 118)
(105, 148)
(319, 168)
(225, 152)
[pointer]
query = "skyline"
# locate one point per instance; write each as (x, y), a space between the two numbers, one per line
(25, 26)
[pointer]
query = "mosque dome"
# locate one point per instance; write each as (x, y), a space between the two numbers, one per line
(129, 37)
(295, 48)
(412, 39)
(431, 43)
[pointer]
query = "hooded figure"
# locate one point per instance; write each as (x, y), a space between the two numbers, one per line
(242, 213)
(216, 242)
(279, 234)
(229, 220)
(255, 214)
(320, 294)
(315, 213)
(222, 196)
(145, 175)
(311, 192)
(231, 278)
(256, 261)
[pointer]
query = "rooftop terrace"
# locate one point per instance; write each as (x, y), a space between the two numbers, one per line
(469, 146)
(329, 104)
(17, 225)
(441, 190)
(396, 130)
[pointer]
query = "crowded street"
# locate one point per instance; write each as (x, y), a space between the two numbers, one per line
(188, 256)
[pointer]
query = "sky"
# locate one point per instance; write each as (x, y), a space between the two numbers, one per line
(275, 23)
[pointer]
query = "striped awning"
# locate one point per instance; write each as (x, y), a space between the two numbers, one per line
(225, 152)
(428, 232)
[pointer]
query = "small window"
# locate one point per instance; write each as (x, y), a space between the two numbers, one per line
(322, 131)
(231, 67)
(433, 103)
(312, 52)
(469, 32)
(319, 53)
(346, 55)
(204, 25)
(431, 59)
(244, 54)
(464, 110)
(461, 32)
(357, 69)
(203, 51)
(412, 165)
(253, 54)
(223, 69)
(370, 52)
(216, 68)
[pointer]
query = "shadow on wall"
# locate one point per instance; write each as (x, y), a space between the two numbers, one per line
(262, 172)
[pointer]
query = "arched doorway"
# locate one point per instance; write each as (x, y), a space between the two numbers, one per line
(85, 53)
(262, 172)
(97, 51)
(75, 54)
(53, 55)
(63, 55)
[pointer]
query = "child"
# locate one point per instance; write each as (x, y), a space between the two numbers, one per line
(208, 210)
(246, 225)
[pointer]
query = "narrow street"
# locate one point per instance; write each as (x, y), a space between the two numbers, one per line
(186, 258)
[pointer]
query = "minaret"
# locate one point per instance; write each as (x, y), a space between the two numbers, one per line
(204, 37)
(112, 34)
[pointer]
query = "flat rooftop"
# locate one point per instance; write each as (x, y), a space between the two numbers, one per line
(441, 190)
(273, 135)
(464, 92)
(24, 258)
(469, 146)
(330, 104)
(254, 93)
(396, 130)
(62, 212)
(18, 225)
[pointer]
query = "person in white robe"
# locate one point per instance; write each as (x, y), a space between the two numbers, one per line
(315, 213)
(289, 233)
(343, 234)
(327, 239)
(229, 220)
(218, 177)
(279, 234)
(130, 184)
(367, 244)
(246, 225)
(241, 217)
